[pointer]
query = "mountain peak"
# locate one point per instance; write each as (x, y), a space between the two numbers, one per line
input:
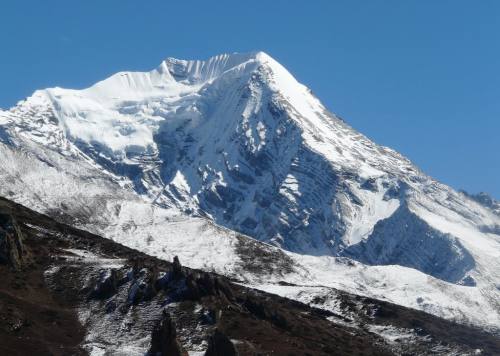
(199, 71)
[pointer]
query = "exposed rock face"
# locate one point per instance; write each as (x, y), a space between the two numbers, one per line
(393, 241)
(220, 345)
(11, 243)
(164, 339)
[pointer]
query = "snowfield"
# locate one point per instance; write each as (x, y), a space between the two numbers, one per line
(235, 167)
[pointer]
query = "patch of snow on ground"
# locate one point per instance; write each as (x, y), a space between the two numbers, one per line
(392, 334)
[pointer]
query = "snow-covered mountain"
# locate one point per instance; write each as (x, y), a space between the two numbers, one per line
(194, 155)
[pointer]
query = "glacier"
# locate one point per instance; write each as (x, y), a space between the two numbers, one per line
(219, 159)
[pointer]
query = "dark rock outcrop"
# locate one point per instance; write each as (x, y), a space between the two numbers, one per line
(220, 345)
(164, 339)
(145, 284)
(12, 251)
(177, 268)
(107, 285)
(265, 312)
(201, 285)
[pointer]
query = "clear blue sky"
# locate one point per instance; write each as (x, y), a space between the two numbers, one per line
(419, 76)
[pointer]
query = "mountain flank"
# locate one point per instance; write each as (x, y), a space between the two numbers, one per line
(66, 291)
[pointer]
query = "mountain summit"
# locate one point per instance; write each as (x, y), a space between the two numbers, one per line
(237, 143)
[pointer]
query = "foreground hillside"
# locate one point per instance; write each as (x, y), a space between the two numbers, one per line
(66, 291)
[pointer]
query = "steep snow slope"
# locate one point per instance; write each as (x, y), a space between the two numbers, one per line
(237, 140)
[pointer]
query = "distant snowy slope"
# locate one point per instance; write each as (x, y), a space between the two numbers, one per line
(236, 141)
